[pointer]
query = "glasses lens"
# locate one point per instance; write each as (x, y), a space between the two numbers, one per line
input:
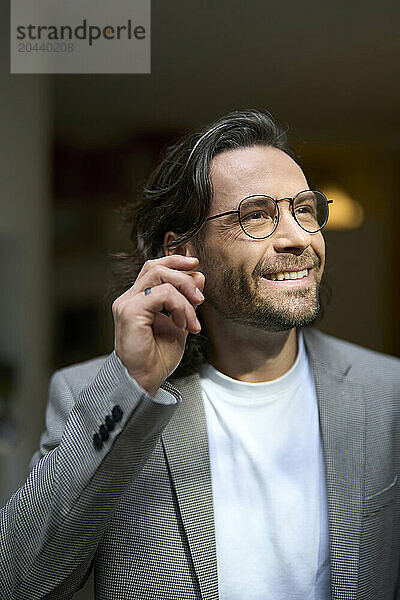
(258, 216)
(311, 210)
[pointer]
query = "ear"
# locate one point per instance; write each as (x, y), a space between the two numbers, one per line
(185, 249)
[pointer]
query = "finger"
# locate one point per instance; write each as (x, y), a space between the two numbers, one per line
(174, 261)
(199, 279)
(165, 297)
(185, 283)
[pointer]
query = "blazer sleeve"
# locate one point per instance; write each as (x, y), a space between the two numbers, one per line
(397, 597)
(94, 447)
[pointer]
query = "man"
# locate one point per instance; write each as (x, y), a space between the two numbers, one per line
(257, 459)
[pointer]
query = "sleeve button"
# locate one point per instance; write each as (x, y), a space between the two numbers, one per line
(109, 421)
(97, 441)
(104, 433)
(117, 413)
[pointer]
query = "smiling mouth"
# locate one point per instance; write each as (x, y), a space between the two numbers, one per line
(287, 275)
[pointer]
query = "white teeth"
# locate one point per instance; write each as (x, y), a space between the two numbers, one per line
(288, 275)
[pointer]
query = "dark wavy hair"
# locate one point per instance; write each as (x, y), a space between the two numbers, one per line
(177, 198)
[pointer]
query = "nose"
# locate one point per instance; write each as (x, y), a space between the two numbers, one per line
(289, 236)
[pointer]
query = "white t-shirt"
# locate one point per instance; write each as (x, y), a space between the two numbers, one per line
(268, 482)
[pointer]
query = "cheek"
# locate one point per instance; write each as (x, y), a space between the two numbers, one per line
(230, 248)
(230, 237)
(318, 245)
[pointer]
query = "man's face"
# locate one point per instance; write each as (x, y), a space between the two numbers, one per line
(237, 268)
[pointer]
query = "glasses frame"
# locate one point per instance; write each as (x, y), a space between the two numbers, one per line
(288, 199)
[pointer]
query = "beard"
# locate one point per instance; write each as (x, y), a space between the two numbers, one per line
(238, 297)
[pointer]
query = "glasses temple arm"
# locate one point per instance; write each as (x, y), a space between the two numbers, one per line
(230, 212)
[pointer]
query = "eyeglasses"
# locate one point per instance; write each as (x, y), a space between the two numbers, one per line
(259, 214)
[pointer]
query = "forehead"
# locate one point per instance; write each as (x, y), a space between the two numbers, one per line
(236, 174)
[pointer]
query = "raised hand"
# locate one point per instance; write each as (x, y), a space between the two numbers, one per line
(149, 343)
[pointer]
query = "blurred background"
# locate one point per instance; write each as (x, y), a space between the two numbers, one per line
(75, 147)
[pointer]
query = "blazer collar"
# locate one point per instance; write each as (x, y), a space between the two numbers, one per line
(342, 425)
(322, 349)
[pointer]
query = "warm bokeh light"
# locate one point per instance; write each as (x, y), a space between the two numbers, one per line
(345, 212)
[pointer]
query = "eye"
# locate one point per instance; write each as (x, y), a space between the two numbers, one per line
(305, 209)
(257, 215)
(254, 216)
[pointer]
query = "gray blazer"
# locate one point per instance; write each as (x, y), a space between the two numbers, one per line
(139, 508)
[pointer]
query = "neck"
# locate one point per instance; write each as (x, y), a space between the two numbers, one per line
(245, 353)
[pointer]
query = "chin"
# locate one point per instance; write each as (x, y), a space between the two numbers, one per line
(300, 310)
(295, 315)
(273, 319)
(285, 322)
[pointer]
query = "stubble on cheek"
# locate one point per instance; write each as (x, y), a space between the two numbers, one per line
(240, 297)
(230, 290)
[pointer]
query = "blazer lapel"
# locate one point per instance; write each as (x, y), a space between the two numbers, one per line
(185, 443)
(342, 423)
